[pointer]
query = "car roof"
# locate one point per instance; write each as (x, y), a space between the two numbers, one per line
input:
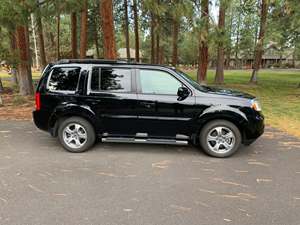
(106, 61)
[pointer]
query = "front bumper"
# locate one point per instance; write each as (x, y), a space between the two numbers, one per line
(254, 129)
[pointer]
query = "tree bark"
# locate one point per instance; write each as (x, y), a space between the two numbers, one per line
(58, 38)
(24, 69)
(126, 29)
(136, 32)
(41, 42)
(83, 31)
(175, 42)
(219, 78)
(74, 35)
(259, 45)
(109, 43)
(203, 45)
(152, 38)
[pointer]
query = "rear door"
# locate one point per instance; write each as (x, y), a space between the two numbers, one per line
(112, 95)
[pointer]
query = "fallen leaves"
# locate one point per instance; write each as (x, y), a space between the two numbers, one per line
(162, 164)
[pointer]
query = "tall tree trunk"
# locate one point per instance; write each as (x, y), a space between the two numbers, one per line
(161, 56)
(37, 63)
(24, 69)
(13, 48)
(219, 78)
(74, 35)
(126, 29)
(58, 38)
(136, 31)
(83, 31)
(175, 42)
(259, 45)
(1, 90)
(236, 59)
(157, 48)
(41, 42)
(152, 34)
(228, 51)
(157, 34)
(97, 43)
(109, 43)
(203, 45)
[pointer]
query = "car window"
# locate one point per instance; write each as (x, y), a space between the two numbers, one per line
(63, 79)
(158, 82)
(111, 79)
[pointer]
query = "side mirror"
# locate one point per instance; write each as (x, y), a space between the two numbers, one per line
(182, 93)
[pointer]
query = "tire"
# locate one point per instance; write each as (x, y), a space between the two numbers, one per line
(76, 134)
(220, 138)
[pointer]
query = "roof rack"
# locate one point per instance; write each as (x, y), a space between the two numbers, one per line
(91, 61)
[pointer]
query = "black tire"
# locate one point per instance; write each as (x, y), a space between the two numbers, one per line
(90, 134)
(219, 123)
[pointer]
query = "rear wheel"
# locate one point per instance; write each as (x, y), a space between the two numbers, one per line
(220, 138)
(76, 134)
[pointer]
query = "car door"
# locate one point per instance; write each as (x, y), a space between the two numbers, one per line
(112, 95)
(161, 112)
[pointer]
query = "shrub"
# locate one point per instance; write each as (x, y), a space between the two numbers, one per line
(19, 100)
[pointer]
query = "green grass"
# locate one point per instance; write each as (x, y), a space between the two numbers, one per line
(277, 90)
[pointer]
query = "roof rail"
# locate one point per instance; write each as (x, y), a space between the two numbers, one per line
(105, 61)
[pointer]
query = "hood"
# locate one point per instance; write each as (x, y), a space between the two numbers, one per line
(228, 92)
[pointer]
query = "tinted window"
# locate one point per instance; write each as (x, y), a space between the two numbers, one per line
(158, 82)
(111, 79)
(64, 79)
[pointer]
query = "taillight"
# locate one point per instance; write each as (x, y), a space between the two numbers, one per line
(37, 101)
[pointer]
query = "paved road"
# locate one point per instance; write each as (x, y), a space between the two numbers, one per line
(145, 184)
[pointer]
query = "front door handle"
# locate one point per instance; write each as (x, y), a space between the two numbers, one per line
(148, 105)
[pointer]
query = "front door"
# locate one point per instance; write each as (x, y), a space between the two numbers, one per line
(161, 114)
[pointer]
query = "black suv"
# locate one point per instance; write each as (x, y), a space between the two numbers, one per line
(79, 100)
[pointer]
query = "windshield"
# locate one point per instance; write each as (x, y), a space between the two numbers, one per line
(191, 81)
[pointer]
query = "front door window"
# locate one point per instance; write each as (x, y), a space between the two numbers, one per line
(158, 82)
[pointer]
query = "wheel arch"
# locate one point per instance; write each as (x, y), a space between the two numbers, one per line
(63, 112)
(230, 114)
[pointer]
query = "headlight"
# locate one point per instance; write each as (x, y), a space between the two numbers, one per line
(255, 104)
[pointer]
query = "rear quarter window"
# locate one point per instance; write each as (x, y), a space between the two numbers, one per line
(64, 79)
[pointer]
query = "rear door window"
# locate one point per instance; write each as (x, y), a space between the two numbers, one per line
(111, 79)
(64, 79)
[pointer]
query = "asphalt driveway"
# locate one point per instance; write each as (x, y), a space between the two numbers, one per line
(138, 184)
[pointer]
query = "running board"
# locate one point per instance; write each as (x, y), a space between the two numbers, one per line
(143, 140)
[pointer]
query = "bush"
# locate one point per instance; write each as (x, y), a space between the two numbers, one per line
(19, 100)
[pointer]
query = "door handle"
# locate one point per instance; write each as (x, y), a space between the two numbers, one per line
(147, 104)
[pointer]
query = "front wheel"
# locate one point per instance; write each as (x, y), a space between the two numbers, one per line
(76, 134)
(220, 138)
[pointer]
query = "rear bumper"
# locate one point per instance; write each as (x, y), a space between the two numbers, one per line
(254, 129)
(40, 119)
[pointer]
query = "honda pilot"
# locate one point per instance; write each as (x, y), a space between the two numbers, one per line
(80, 101)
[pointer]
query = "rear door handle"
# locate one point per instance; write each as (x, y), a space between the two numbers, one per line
(147, 104)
